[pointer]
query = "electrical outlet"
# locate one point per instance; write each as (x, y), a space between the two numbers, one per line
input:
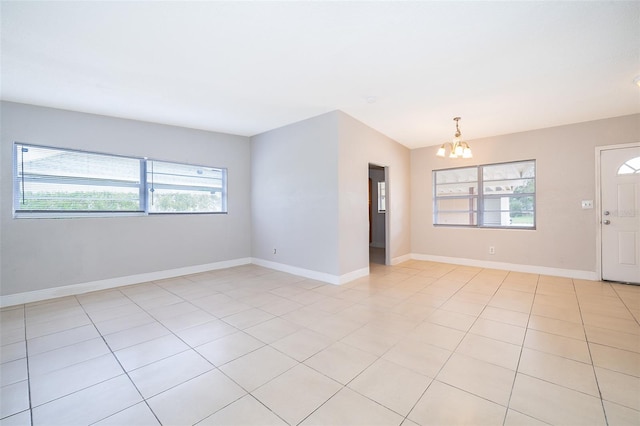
(587, 204)
(492, 250)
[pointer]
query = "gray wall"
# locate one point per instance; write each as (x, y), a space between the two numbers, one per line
(565, 237)
(310, 194)
(359, 146)
(38, 254)
(294, 195)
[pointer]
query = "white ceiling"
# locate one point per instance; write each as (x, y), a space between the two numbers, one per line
(248, 67)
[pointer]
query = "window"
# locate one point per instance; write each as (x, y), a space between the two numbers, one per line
(54, 182)
(60, 180)
(382, 197)
(494, 195)
(182, 188)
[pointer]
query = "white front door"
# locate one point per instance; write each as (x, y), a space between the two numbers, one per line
(620, 215)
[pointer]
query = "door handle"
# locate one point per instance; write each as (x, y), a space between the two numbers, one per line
(606, 221)
(606, 213)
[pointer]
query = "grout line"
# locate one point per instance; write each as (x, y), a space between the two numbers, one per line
(593, 367)
(524, 338)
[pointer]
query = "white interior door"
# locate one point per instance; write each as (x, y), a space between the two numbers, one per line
(620, 215)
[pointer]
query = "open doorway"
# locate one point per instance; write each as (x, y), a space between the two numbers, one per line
(377, 214)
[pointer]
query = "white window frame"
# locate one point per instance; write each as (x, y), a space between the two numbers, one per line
(142, 185)
(479, 199)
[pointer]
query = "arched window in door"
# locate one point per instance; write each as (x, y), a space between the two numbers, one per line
(630, 167)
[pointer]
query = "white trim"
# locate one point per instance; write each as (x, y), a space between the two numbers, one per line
(353, 275)
(306, 273)
(400, 259)
(598, 200)
(71, 290)
(532, 269)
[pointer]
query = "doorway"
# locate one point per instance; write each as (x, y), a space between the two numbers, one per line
(619, 215)
(378, 211)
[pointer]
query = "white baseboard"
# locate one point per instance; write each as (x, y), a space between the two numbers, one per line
(532, 269)
(314, 275)
(400, 259)
(70, 290)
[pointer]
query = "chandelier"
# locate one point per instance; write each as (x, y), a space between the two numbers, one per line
(458, 148)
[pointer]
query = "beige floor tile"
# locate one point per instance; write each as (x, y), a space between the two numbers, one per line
(163, 313)
(558, 345)
(258, 367)
(340, 362)
(417, 356)
(619, 360)
(116, 312)
(56, 359)
(58, 383)
(134, 336)
(372, 340)
(13, 352)
(282, 395)
(154, 350)
(248, 318)
(463, 307)
(627, 325)
(56, 325)
(617, 415)
(246, 411)
(13, 372)
(164, 374)
(570, 329)
(335, 327)
(228, 348)
(61, 339)
(506, 316)
(190, 319)
(616, 339)
(15, 398)
(412, 315)
(561, 371)
(512, 300)
(391, 385)
(9, 336)
(619, 388)
(305, 317)
(138, 415)
(515, 418)
(557, 312)
(204, 333)
(478, 377)
(21, 419)
(281, 307)
(123, 323)
(442, 404)
(225, 309)
(302, 344)
(490, 350)
(350, 408)
(437, 335)
(89, 405)
(499, 331)
(195, 400)
(272, 330)
(450, 319)
(555, 404)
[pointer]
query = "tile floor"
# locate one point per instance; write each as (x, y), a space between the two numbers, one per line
(420, 343)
